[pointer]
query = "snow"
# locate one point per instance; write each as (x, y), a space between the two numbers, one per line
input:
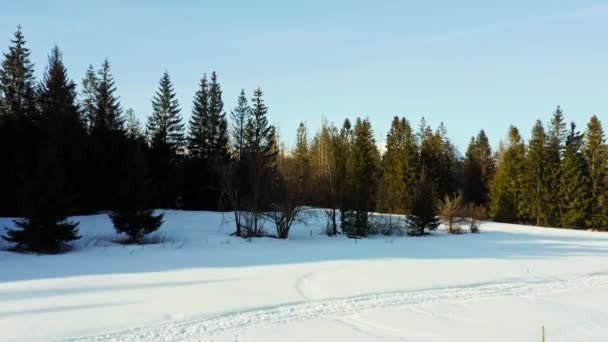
(200, 284)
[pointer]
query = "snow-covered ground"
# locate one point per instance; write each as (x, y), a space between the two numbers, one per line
(200, 284)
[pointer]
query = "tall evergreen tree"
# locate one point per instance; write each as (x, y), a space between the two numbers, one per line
(507, 187)
(19, 134)
(537, 191)
(108, 113)
(133, 126)
(438, 159)
(199, 122)
(344, 145)
(473, 188)
(556, 141)
(88, 101)
(255, 178)
(392, 191)
(218, 125)
(257, 132)
(362, 172)
(596, 154)
(239, 116)
(17, 84)
(60, 121)
(574, 184)
(165, 131)
(106, 155)
(424, 213)
(57, 101)
(165, 126)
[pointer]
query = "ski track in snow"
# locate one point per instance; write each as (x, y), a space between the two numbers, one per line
(205, 327)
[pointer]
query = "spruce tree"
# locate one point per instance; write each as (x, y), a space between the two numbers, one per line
(362, 174)
(165, 126)
(60, 121)
(218, 125)
(344, 145)
(259, 170)
(424, 213)
(57, 102)
(257, 131)
(596, 154)
(106, 152)
(239, 116)
(473, 187)
(538, 176)
(392, 191)
(17, 84)
(438, 159)
(49, 201)
(133, 126)
(479, 169)
(199, 122)
(108, 113)
(134, 214)
(165, 132)
(574, 184)
(88, 101)
(556, 141)
(507, 186)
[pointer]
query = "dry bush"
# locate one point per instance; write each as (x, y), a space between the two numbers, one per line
(448, 210)
(472, 215)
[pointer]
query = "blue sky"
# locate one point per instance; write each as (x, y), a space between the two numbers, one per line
(471, 64)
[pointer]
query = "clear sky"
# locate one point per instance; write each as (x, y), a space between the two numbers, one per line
(472, 63)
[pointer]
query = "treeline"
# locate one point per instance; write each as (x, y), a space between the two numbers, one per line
(67, 152)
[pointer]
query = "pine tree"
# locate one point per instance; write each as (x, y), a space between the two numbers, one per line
(108, 113)
(19, 132)
(596, 154)
(362, 173)
(411, 171)
(45, 228)
(17, 82)
(60, 121)
(574, 184)
(165, 131)
(165, 126)
(555, 152)
(106, 152)
(57, 101)
(424, 213)
(473, 187)
(537, 191)
(88, 101)
(197, 144)
(133, 126)
(259, 170)
(507, 186)
(239, 118)
(218, 125)
(438, 159)
(257, 131)
(479, 169)
(344, 145)
(134, 215)
(392, 191)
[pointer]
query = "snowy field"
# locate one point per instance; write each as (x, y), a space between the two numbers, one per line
(200, 284)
